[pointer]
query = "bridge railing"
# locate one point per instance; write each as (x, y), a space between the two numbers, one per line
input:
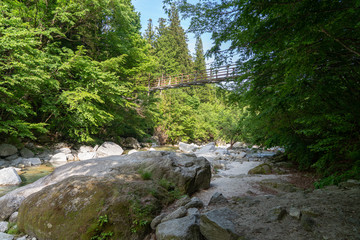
(211, 75)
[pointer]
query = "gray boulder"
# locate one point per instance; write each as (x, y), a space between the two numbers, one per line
(109, 149)
(130, 143)
(219, 224)
(23, 238)
(217, 198)
(45, 155)
(9, 176)
(12, 157)
(186, 171)
(210, 147)
(7, 150)
(65, 150)
(185, 228)
(238, 145)
(3, 226)
(276, 214)
(31, 161)
(182, 201)
(5, 236)
(188, 148)
(194, 203)
(157, 220)
(58, 159)
(3, 163)
(178, 213)
(13, 217)
(193, 211)
(242, 154)
(26, 153)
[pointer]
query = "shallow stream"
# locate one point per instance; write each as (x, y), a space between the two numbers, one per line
(29, 175)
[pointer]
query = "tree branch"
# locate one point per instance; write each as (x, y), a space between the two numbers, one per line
(341, 43)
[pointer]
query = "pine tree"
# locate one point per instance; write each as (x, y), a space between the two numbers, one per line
(150, 33)
(199, 62)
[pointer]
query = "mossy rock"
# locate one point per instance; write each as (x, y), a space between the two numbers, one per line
(74, 207)
(261, 169)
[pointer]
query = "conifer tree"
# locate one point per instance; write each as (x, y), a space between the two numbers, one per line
(199, 61)
(150, 33)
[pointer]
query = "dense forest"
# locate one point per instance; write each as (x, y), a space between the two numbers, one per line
(300, 86)
(69, 70)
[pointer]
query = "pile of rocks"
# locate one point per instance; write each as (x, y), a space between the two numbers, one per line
(221, 156)
(11, 156)
(186, 221)
(60, 154)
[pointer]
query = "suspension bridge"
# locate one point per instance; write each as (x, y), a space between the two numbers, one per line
(211, 75)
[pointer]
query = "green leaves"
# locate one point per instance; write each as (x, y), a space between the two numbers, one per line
(300, 61)
(66, 67)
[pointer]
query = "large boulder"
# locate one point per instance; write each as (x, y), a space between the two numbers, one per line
(185, 171)
(26, 153)
(9, 176)
(186, 228)
(219, 224)
(130, 143)
(7, 150)
(82, 207)
(261, 169)
(109, 149)
(58, 159)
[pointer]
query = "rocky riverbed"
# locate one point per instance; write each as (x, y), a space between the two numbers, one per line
(239, 193)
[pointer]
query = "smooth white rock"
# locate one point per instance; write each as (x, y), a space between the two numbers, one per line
(9, 176)
(86, 155)
(85, 149)
(132, 151)
(58, 159)
(3, 226)
(63, 150)
(5, 236)
(109, 149)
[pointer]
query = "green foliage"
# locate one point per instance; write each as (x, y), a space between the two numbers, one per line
(141, 215)
(13, 229)
(173, 192)
(299, 65)
(145, 175)
(100, 235)
(67, 69)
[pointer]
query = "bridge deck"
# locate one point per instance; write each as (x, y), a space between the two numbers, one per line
(214, 75)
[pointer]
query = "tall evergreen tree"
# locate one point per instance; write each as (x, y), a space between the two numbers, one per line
(150, 33)
(171, 46)
(199, 61)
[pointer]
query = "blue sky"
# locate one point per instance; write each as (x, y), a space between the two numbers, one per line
(153, 9)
